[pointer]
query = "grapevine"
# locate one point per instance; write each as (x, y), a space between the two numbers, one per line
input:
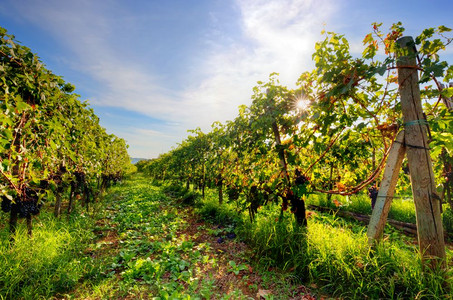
(338, 145)
(48, 137)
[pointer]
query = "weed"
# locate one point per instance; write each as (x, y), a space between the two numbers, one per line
(447, 218)
(236, 268)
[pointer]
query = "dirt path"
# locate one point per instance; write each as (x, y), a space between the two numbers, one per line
(233, 271)
(149, 246)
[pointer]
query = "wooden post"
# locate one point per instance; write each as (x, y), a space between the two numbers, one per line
(386, 189)
(447, 101)
(427, 206)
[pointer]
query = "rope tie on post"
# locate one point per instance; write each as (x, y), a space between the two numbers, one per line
(420, 122)
(416, 122)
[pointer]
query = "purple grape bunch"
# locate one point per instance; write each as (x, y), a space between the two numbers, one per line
(373, 193)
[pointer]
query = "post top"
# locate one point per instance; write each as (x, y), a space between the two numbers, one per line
(405, 41)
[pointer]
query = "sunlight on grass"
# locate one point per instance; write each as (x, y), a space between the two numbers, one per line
(142, 250)
(46, 264)
(402, 209)
(334, 253)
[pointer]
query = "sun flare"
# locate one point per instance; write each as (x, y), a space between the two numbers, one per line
(302, 104)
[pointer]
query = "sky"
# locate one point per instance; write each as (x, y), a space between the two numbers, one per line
(153, 69)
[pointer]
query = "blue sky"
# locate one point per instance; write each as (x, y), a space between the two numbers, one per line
(154, 69)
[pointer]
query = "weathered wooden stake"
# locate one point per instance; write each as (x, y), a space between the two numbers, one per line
(427, 206)
(386, 189)
(450, 103)
(447, 101)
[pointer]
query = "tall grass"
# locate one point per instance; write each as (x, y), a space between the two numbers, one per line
(402, 208)
(210, 210)
(50, 263)
(334, 254)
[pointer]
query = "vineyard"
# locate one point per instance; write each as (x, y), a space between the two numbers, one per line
(334, 133)
(298, 197)
(51, 143)
(353, 127)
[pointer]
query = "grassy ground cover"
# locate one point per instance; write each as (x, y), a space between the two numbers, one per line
(50, 263)
(145, 242)
(332, 254)
(140, 243)
(402, 208)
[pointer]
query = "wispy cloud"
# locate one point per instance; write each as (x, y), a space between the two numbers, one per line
(277, 36)
(149, 133)
(91, 31)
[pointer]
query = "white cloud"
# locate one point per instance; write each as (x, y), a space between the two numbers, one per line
(92, 34)
(149, 133)
(278, 36)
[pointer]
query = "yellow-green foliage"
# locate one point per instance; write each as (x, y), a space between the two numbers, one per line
(334, 254)
(46, 264)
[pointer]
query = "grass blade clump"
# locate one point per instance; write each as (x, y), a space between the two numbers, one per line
(47, 264)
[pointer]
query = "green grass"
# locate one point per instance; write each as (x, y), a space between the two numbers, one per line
(333, 253)
(210, 210)
(136, 247)
(402, 209)
(50, 263)
(447, 220)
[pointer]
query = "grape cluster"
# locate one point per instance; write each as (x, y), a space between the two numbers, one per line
(25, 208)
(372, 193)
(301, 179)
(80, 177)
(233, 193)
(449, 176)
(231, 235)
(29, 208)
(406, 169)
(6, 205)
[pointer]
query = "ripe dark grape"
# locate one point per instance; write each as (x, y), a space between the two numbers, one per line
(31, 206)
(372, 193)
(449, 176)
(28, 208)
(300, 178)
(6, 205)
(233, 194)
(80, 178)
(220, 240)
(406, 169)
(231, 235)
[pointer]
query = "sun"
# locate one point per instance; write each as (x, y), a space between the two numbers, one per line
(302, 104)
